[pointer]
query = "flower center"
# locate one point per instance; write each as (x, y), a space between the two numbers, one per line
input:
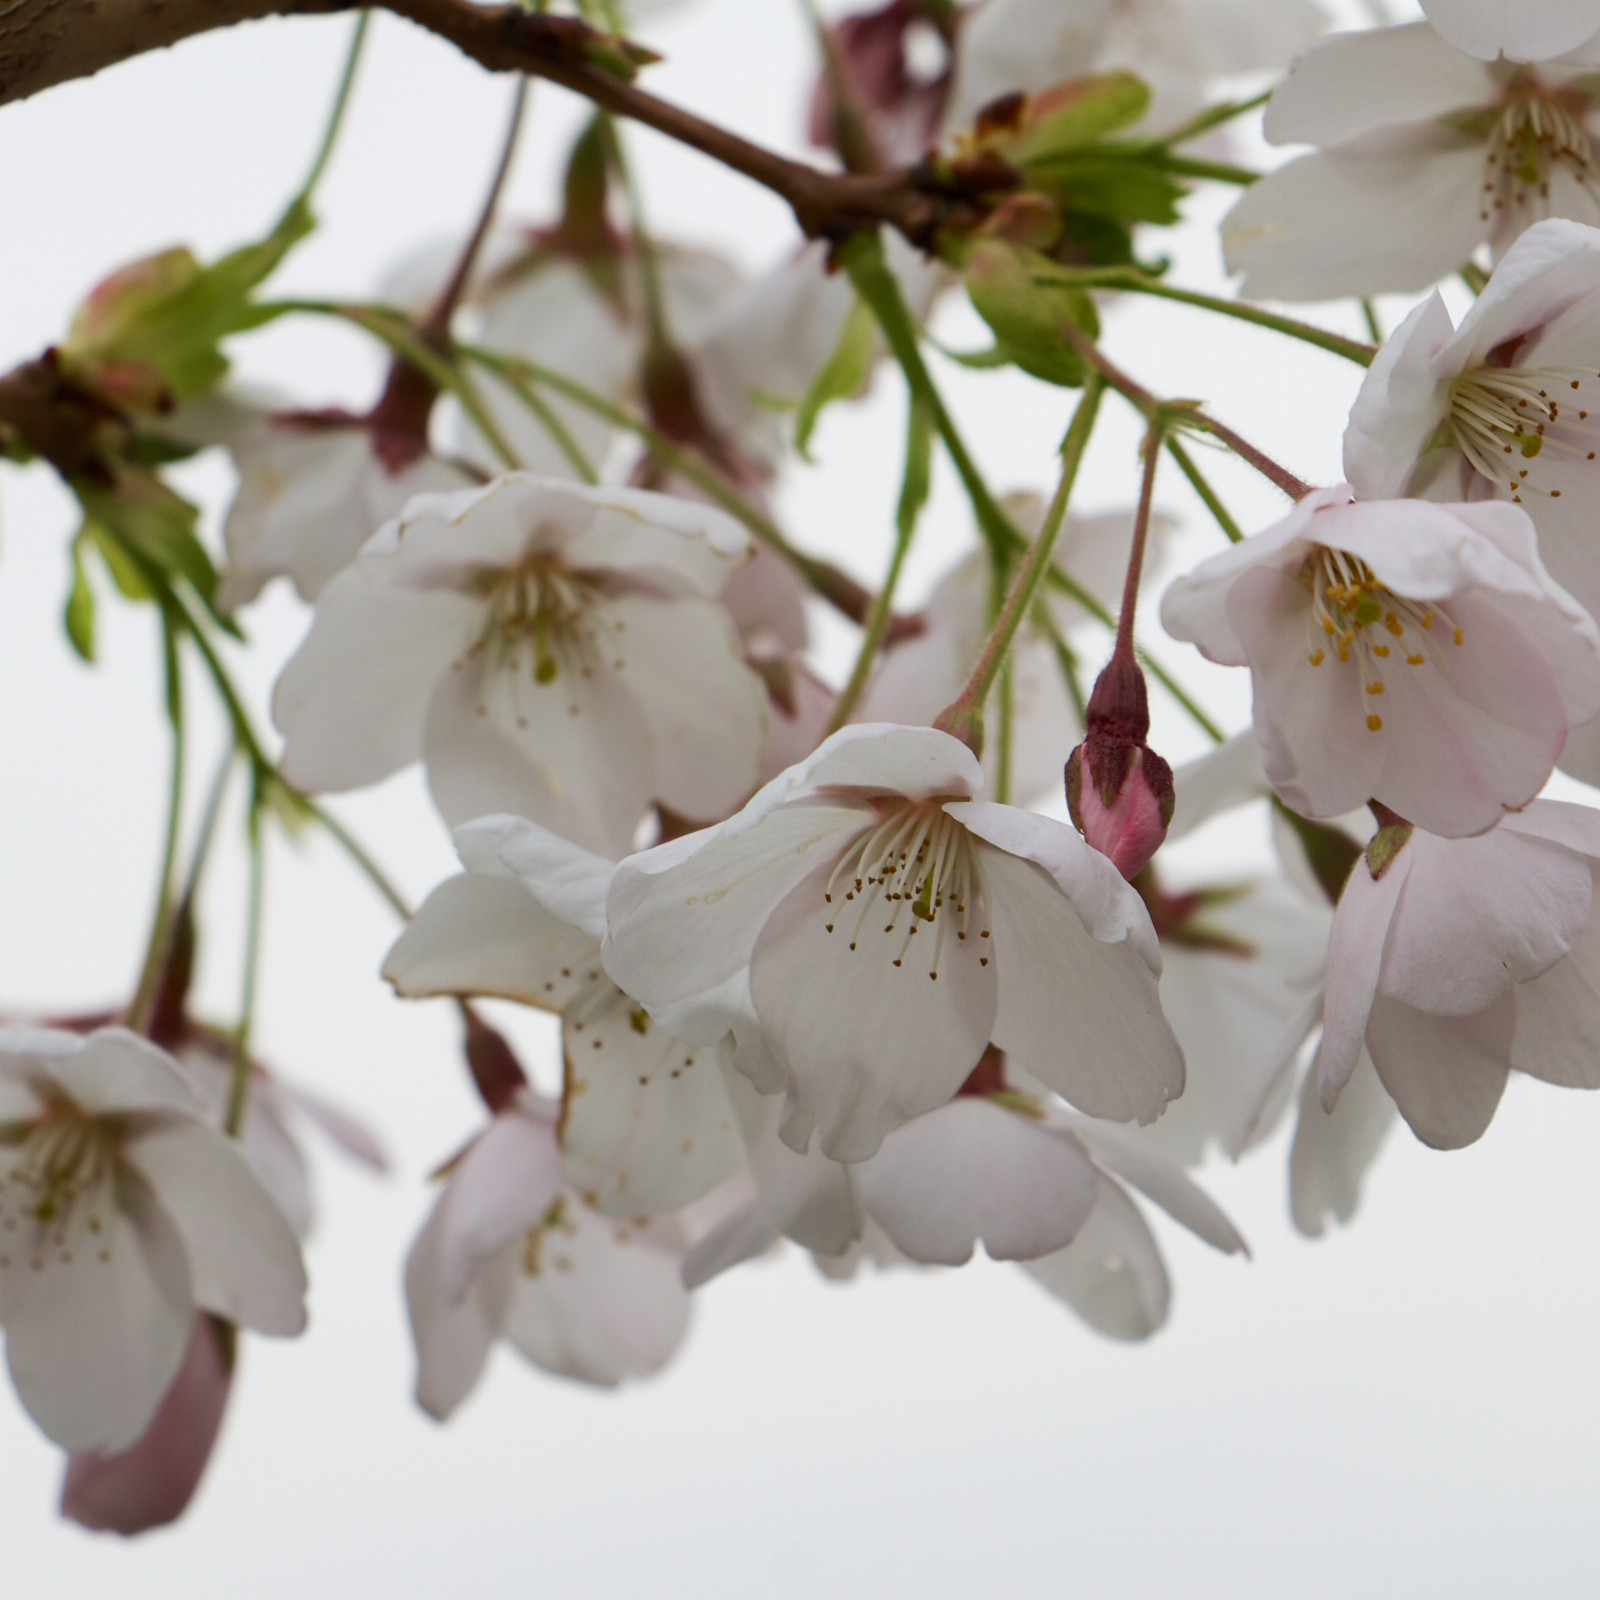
(1504, 419)
(916, 864)
(1359, 620)
(1537, 132)
(57, 1197)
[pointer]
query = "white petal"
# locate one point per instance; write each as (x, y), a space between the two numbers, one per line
(1082, 1016)
(647, 1126)
(1558, 1018)
(568, 881)
(1161, 1180)
(476, 935)
(1446, 1073)
(95, 1341)
(1355, 83)
(1355, 961)
(501, 1187)
(871, 1022)
(118, 1071)
(598, 1299)
(1332, 1150)
(244, 1260)
(1219, 781)
(881, 758)
(705, 711)
(976, 1171)
(1112, 1274)
(1524, 30)
(686, 544)
(453, 1335)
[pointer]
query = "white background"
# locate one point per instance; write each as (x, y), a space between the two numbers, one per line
(1409, 1407)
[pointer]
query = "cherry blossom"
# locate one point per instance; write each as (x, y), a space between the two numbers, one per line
(1414, 653)
(547, 649)
(1502, 408)
(509, 1251)
(1459, 960)
(646, 1125)
(1423, 154)
(1519, 30)
(1179, 47)
(821, 886)
(121, 1213)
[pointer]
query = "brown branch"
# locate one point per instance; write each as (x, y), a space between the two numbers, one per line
(48, 42)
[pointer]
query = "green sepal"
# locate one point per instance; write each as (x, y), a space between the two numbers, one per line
(843, 375)
(79, 614)
(979, 360)
(1076, 114)
(1385, 845)
(1107, 184)
(1025, 315)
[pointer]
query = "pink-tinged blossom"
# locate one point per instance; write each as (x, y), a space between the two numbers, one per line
(510, 1251)
(152, 1484)
(646, 1126)
(121, 1213)
(1399, 650)
(1466, 959)
(1424, 154)
(1519, 30)
(547, 649)
(889, 927)
(1504, 407)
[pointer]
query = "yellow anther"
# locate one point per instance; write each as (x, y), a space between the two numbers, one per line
(1316, 658)
(1415, 661)
(1458, 635)
(1328, 627)
(1374, 724)
(1375, 688)
(1427, 619)
(1393, 624)
(1380, 650)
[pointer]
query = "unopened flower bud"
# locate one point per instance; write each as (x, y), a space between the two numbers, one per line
(1119, 791)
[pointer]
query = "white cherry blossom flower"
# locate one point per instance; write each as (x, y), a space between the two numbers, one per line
(1413, 653)
(1464, 960)
(311, 492)
(1423, 155)
(121, 1213)
(1179, 47)
(1503, 407)
(510, 1251)
(547, 649)
(889, 927)
(1519, 30)
(646, 1125)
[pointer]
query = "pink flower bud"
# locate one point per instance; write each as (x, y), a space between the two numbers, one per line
(1119, 791)
(153, 1483)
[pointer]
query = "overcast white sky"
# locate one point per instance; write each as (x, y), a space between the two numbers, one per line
(1410, 1407)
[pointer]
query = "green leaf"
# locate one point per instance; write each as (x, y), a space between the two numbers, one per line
(979, 360)
(79, 614)
(1122, 187)
(1026, 315)
(844, 373)
(124, 570)
(153, 524)
(1076, 114)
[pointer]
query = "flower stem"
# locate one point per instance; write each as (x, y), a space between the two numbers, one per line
(356, 851)
(1217, 171)
(1204, 490)
(341, 101)
(913, 497)
(239, 1083)
(967, 711)
(1212, 117)
(1141, 538)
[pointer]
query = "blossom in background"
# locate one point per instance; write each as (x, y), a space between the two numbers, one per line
(1423, 155)
(1520, 30)
(821, 886)
(646, 1126)
(547, 649)
(1458, 961)
(511, 1251)
(927, 671)
(1179, 47)
(1413, 653)
(1503, 407)
(122, 1212)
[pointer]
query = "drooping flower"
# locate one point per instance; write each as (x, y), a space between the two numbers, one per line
(121, 1213)
(548, 649)
(1505, 407)
(1519, 30)
(1423, 155)
(1458, 961)
(645, 1124)
(816, 894)
(510, 1251)
(1413, 653)
(1179, 47)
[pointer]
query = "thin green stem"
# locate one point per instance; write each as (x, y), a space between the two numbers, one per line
(1213, 117)
(1135, 282)
(1369, 313)
(1019, 602)
(1003, 743)
(1217, 171)
(341, 101)
(913, 497)
(1141, 537)
(239, 1082)
(1475, 278)
(162, 918)
(548, 419)
(208, 828)
(357, 853)
(1214, 505)
(658, 330)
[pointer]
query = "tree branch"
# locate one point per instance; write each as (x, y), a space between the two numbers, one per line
(49, 42)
